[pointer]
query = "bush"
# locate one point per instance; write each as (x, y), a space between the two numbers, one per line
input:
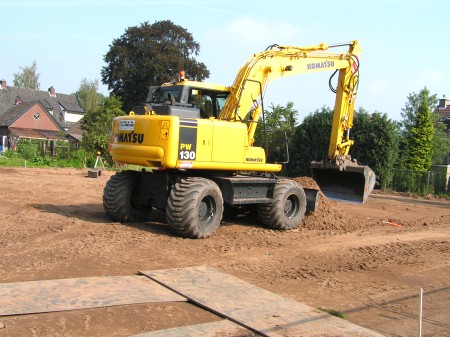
(419, 182)
(27, 155)
(79, 158)
(41, 161)
(11, 159)
(27, 149)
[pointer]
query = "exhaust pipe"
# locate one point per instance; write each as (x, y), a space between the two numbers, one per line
(351, 183)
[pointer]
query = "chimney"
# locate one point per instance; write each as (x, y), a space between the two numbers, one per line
(52, 91)
(3, 85)
(443, 103)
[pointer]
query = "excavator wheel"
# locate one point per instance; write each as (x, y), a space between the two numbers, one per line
(118, 198)
(194, 208)
(287, 208)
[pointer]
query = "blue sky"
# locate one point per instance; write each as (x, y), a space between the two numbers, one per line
(405, 43)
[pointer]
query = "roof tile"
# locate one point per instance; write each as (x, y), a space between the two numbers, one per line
(69, 102)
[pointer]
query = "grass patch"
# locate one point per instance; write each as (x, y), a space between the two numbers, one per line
(333, 312)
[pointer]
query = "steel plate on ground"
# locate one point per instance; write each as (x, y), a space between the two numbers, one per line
(254, 308)
(80, 293)
(213, 329)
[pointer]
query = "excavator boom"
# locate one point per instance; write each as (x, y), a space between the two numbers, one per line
(338, 176)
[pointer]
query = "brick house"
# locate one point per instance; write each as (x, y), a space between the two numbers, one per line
(28, 121)
(75, 134)
(443, 109)
(36, 114)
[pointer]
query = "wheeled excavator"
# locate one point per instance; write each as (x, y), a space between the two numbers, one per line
(195, 141)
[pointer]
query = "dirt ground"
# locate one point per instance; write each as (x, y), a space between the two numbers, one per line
(343, 257)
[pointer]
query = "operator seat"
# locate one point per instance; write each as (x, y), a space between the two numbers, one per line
(208, 109)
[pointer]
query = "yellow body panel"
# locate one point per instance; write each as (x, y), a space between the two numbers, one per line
(185, 143)
(204, 140)
(229, 141)
(148, 140)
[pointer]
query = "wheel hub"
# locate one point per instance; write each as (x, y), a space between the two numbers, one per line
(206, 209)
(291, 206)
(202, 210)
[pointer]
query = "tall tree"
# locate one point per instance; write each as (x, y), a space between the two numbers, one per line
(88, 95)
(441, 143)
(414, 101)
(150, 54)
(376, 144)
(27, 77)
(97, 126)
(420, 140)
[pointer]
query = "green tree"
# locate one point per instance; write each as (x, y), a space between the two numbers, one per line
(150, 55)
(310, 142)
(97, 127)
(420, 140)
(88, 95)
(441, 143)
(279, 123)
(376, 144)
(410, 111)
(27, 77)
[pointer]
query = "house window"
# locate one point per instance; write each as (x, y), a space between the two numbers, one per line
(37, 115)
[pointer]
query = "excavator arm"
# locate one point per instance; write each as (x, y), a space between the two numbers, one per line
(245, 99)
(245, 103)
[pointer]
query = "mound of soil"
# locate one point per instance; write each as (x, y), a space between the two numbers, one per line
(330, 215)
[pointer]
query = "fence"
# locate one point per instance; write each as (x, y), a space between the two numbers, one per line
(421, 182)
(54, 148)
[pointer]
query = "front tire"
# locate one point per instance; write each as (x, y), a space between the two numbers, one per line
(194, 208)
(119, 197)
(288, 206)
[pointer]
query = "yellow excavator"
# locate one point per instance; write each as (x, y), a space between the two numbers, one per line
(195, 141)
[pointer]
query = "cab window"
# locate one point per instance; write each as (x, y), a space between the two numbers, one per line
(209, 102)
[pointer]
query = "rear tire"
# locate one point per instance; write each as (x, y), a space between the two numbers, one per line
(288, 206)
(119, 198)
(194, 208)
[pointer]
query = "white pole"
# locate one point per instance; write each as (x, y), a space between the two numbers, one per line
(420, 312)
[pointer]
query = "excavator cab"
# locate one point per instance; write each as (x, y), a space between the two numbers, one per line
(351, 183)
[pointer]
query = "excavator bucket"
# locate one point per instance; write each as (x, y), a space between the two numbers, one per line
(353, 184)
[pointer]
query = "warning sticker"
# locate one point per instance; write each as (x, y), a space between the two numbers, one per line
(126, 125)
(164, 129)
(164, 133)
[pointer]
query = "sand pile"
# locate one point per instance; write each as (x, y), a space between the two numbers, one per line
(330, 214)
